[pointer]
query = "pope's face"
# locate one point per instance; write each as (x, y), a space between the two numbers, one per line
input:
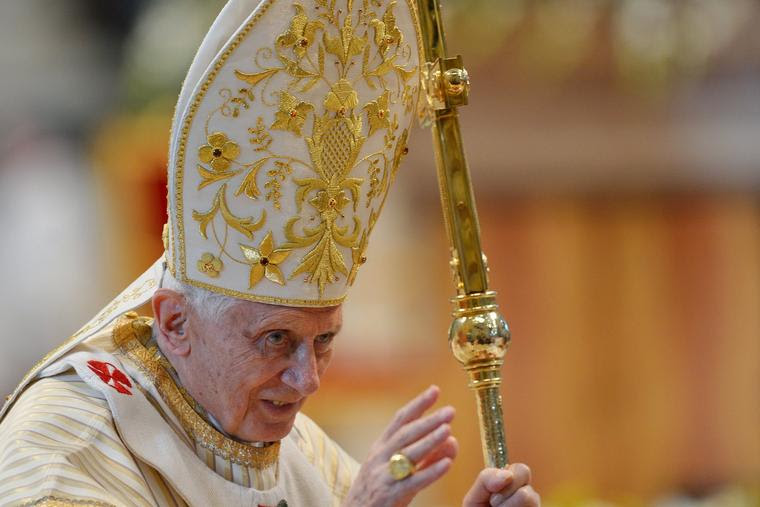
(254, 369)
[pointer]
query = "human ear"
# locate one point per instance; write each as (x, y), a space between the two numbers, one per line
(170, 311)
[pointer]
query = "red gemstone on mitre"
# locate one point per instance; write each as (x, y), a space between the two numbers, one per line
(111, 375)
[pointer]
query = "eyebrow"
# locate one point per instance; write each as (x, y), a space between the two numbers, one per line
(262, 323)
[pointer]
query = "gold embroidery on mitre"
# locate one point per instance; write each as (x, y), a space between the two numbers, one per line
(210, 264)
(265, 261)
(307, 83)
(130, 334)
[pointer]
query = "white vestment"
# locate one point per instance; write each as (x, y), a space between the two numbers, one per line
(105, 424)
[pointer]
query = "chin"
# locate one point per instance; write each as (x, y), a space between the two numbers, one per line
(268, 433)
(260, 431)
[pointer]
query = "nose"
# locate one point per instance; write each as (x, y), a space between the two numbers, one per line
(302, 375)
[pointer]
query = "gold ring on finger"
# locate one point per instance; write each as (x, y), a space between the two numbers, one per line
(400, 466)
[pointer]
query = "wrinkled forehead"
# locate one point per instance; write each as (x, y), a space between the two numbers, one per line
(253, 316)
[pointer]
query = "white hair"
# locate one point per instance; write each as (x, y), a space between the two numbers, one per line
(207, 304)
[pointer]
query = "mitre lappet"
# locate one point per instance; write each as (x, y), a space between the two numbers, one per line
(287, 135)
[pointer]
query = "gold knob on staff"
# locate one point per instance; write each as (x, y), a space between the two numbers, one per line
(479, 337)
(457, 81)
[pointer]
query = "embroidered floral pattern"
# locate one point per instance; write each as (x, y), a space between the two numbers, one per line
(265, 261)
(219, 151)
(260, 138)
(386, 31)
(341, 97)
(301, 33)
(210, 265)
(291, 114)
(378, 114)
(358, 256)
(276, 179)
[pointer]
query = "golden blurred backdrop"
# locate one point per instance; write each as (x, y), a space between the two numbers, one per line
(615, 153)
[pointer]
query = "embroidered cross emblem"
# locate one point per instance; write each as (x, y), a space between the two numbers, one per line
(111, 375)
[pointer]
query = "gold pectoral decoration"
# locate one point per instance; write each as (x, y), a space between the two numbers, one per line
(131, 334)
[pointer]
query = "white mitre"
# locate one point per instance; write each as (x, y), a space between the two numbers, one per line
(287, 135)
(286, 138)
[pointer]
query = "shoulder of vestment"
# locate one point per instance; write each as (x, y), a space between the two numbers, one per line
(59, 446)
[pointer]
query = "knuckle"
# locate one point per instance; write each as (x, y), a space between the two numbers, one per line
(523, 470)
(523, 497)
(527, 496)
(397, 421)
(487, 472)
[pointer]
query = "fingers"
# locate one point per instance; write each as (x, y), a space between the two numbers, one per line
(448, 449)
(412, 410)
(521, 477)
(508, 487)
(423, 478)
(488, 482)
(426, 444)
(415, 430)
(424, 439)
(523, 497)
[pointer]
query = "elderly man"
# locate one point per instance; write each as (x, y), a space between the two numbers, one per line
(201, 404)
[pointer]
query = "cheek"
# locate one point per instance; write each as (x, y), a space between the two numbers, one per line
(323, 361)
(224, 366)
(248, 377)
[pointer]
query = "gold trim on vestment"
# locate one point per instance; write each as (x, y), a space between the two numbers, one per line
(130, 333)
(55, 501)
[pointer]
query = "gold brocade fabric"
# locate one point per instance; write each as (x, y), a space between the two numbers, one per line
(51, 501)
(246, 464)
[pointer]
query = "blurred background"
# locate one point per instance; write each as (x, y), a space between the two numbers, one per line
(615, 151)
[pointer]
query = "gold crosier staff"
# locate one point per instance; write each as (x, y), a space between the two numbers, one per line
(479, 335)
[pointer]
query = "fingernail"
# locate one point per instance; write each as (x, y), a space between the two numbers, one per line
(497, 499)
(445, 412)
(444, 428)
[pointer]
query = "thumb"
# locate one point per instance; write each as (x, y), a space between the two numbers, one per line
(488, 482)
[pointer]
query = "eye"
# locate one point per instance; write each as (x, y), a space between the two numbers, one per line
(276, 338)
(323, 342)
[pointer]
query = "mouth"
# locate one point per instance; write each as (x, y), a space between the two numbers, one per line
(281, 408)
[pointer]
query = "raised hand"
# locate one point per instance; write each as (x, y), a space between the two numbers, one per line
(425, 442)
